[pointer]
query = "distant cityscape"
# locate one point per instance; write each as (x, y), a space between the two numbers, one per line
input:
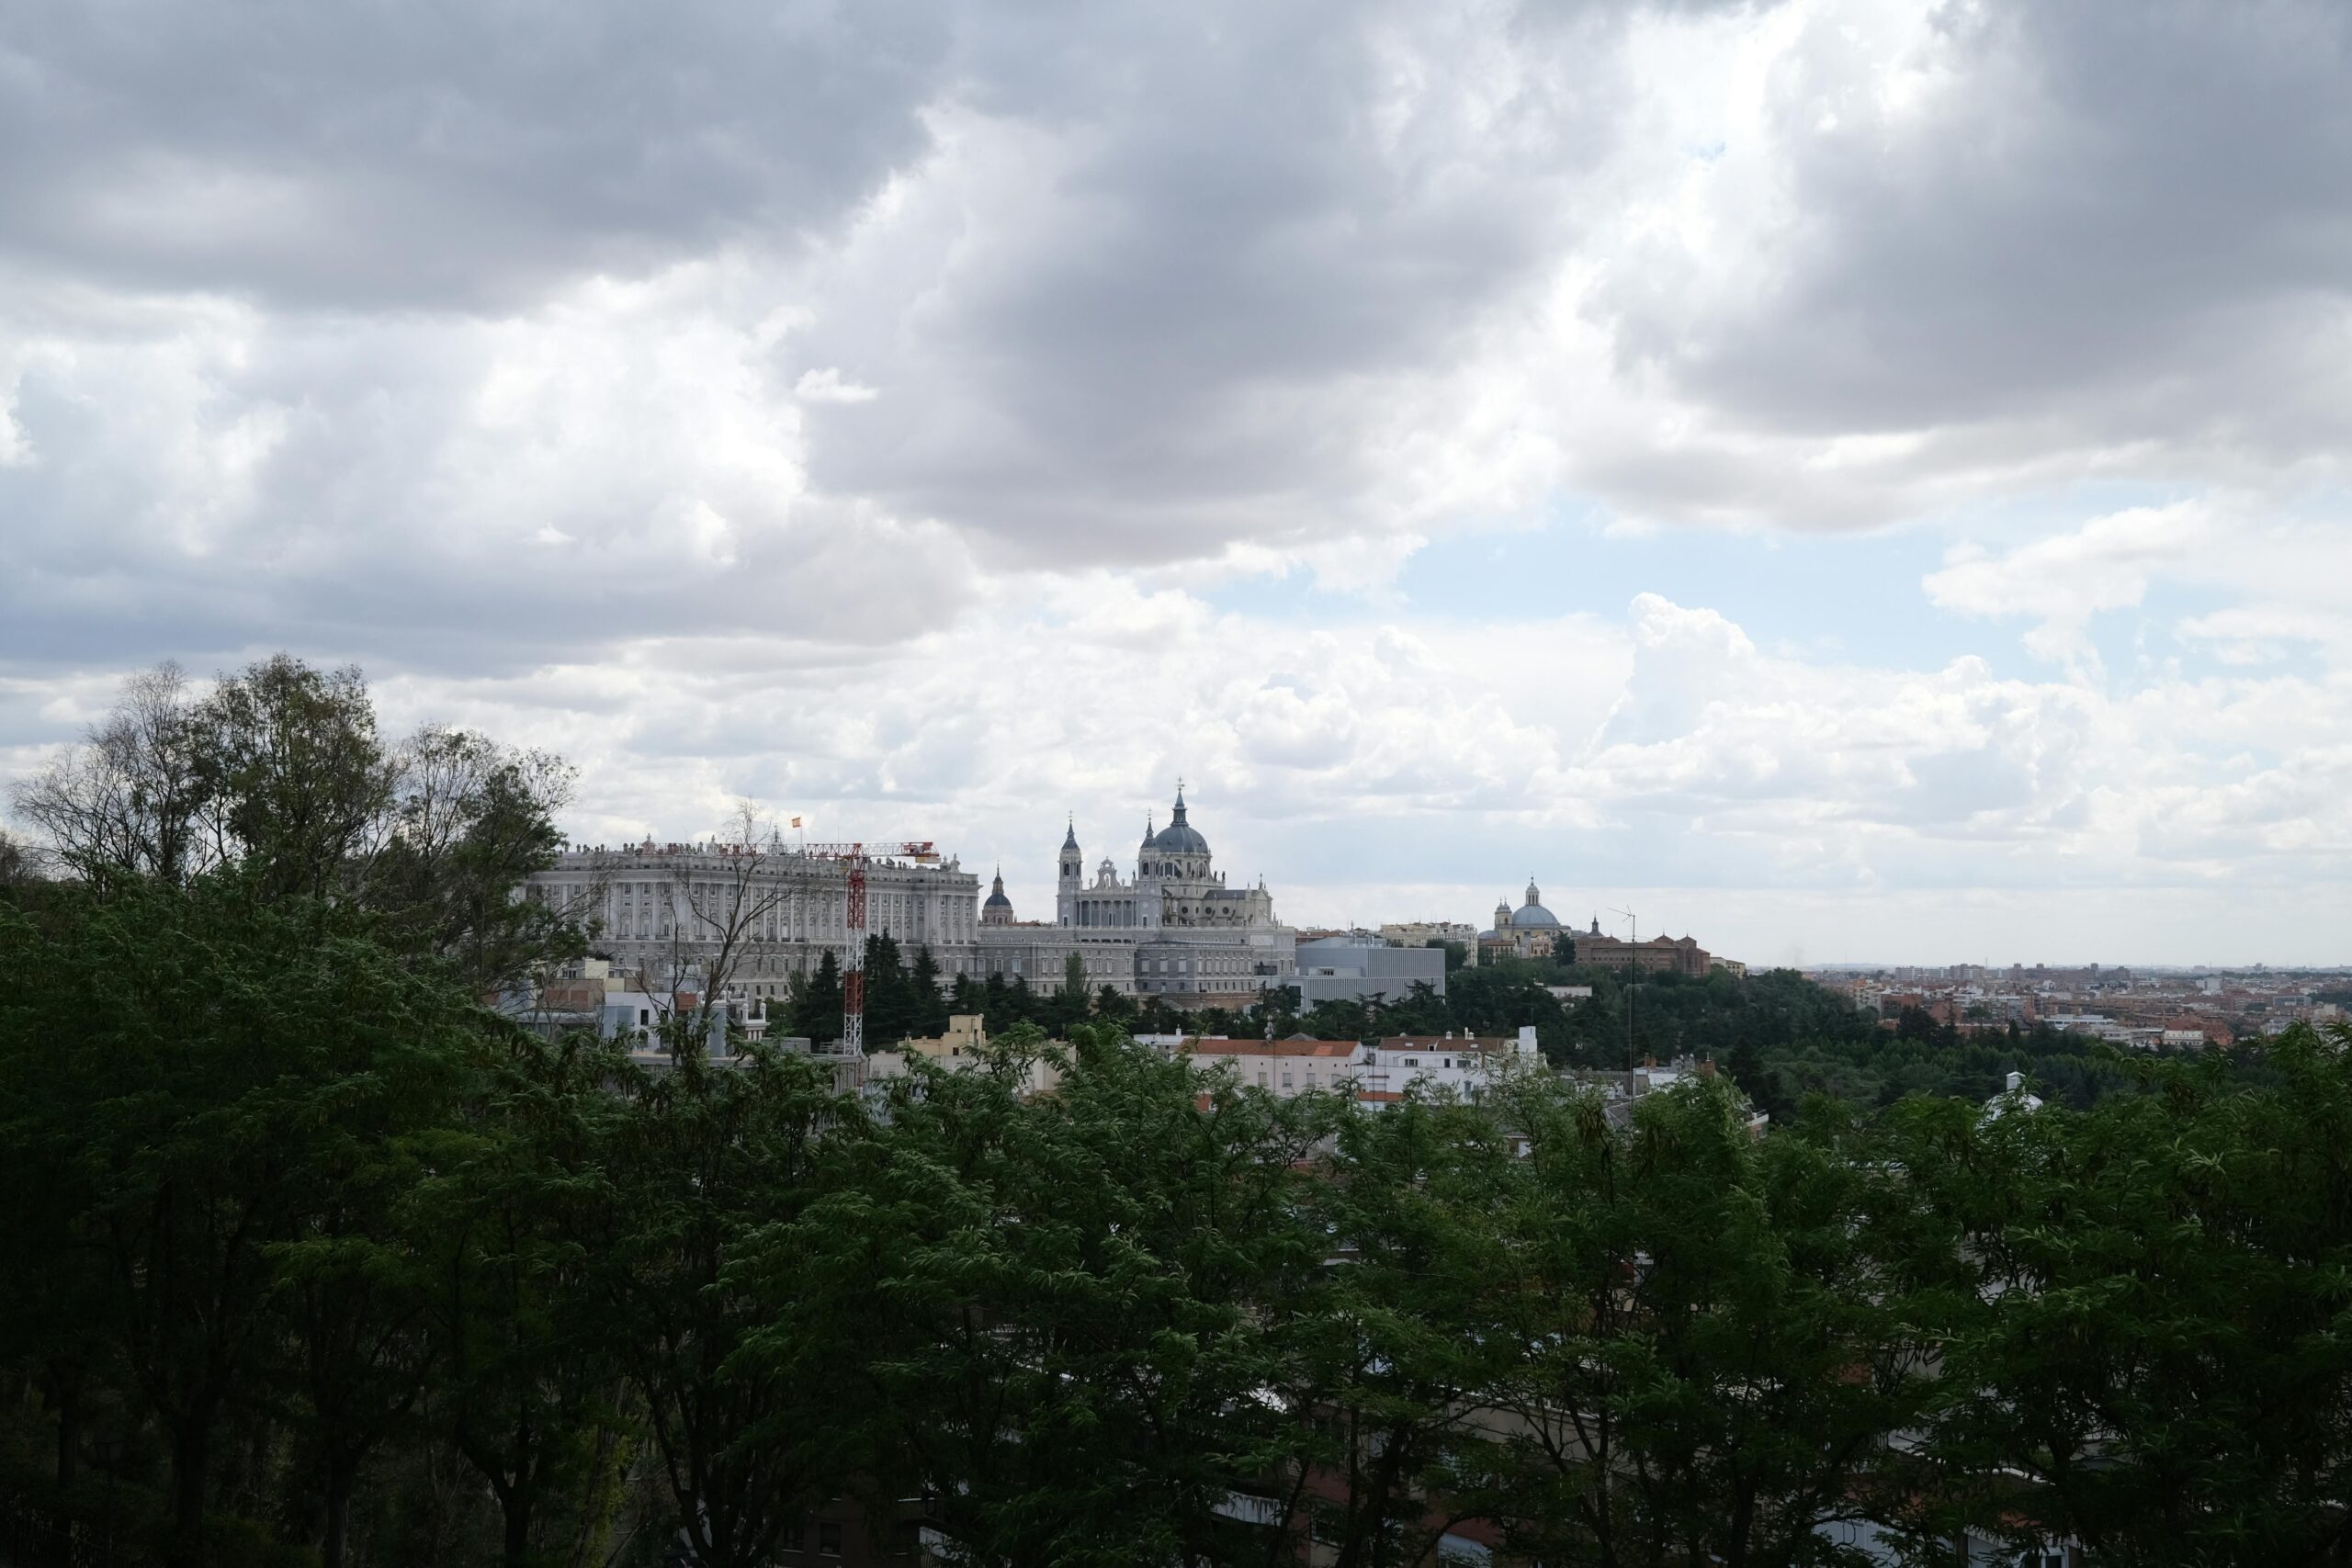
(757, 917)
(1175, 930)
(2149, 1006)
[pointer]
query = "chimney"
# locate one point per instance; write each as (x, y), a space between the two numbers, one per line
(1526, 1040)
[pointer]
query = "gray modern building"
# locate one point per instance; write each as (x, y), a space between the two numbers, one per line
(1355, 967)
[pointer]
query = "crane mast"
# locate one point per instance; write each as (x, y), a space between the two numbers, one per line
(855, 857)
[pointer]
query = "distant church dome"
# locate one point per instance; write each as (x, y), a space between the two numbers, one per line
(1180, 836)
(996, 909)
(1532, 915)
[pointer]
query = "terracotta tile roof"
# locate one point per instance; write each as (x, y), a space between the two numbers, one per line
(1271, 1047)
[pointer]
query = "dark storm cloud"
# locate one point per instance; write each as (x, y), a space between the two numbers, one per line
(1085, 285)
(452, 153)
(1170, 327)
(2134, 219)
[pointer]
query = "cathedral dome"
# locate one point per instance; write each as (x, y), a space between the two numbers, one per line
(1180, 836)
(996, 899)
(1532, 915)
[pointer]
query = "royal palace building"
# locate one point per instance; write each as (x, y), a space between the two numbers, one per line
(1175, 928)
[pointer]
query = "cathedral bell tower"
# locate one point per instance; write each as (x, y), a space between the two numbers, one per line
(1073, 873)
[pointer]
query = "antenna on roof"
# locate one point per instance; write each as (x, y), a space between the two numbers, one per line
(1633, 970)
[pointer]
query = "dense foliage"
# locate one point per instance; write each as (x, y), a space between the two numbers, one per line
(1778, 1035)
(316, 1260)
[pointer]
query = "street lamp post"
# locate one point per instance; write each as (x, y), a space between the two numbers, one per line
(1633, 984)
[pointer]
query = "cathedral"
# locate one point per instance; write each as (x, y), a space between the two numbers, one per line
(1529, 932)
(1174, 930)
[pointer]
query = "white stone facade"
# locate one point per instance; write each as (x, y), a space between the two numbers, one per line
(1174, 930)
(1191, 937)
(654, 906)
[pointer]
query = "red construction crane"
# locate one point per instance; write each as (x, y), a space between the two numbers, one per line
(856, 857)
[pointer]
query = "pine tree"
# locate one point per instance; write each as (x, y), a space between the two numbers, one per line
(929, 1007)
(1112, 1008)
(889, 1000)
(817, 1002)
(1069, 1003)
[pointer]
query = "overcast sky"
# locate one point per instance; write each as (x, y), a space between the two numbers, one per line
(1847, 480)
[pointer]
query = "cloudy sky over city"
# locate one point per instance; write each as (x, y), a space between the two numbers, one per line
(1846, 480)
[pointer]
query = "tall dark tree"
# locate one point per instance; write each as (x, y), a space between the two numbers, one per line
(891, 1007)
(2149, 1331)
(1051, 1303)
(218, 1086)
(1375, 1364)
(1070, 1001)
(353, 1287)
(926, 1004)
(704, 1162)
(280, 773)
(1113, 1007)
(472, 819)
(132, 800)
(302, 788)
(19, 866)
(531, 1391)
(966, 996)
(1706, 1357)
(817, 1000)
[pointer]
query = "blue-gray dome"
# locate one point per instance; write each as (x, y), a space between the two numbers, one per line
(1532, 915)
(1180, 836)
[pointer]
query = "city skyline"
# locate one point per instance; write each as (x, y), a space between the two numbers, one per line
(1853, 481)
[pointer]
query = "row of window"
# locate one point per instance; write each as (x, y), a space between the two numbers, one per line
(638, 898)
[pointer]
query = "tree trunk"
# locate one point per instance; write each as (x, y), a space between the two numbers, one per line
(68, 1394)
(342, 1474)
(516, 1502)
(191, 1453)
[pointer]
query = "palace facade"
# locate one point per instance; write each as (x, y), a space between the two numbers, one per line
(1174, 929)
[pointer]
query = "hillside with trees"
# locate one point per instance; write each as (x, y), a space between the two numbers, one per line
(316, 1260)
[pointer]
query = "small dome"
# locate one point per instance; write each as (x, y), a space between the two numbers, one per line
(996, 899)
